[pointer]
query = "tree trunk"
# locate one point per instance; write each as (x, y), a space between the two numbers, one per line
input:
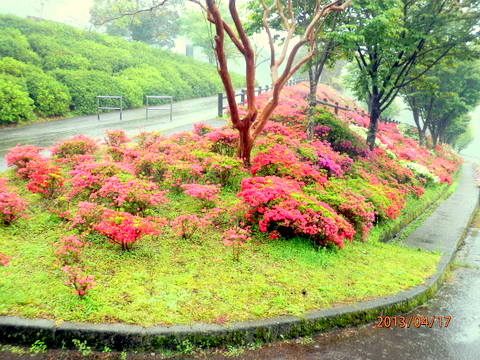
(420, 129)
(245, 145)
(312, 96)
(374, 110)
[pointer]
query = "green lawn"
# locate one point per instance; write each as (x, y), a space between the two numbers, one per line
(164, 280)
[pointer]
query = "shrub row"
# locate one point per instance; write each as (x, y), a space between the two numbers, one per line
(48, 69)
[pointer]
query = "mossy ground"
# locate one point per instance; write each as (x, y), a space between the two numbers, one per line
(165, 280)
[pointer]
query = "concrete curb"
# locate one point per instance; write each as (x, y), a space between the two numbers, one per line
(16, 330)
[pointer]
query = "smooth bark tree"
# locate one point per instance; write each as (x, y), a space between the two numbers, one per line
(389, 39)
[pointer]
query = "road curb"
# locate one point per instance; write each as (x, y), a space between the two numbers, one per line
(21, 331)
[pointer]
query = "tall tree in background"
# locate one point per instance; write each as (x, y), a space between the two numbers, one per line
(388, 39)
(199, 31)
(441, 100)
(283, 63)
(159, 25)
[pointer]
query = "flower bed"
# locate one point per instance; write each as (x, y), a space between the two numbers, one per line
(178, 225)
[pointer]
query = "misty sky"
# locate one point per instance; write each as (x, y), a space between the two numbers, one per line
(72, 12)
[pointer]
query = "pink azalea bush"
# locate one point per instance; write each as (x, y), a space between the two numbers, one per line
(12, 206)
(68, 249)
(78, 279)
(5, 260)
(76, 145)
(280, 204)
(20, 156)
(188, 225)
(204, 192)
(235, 238)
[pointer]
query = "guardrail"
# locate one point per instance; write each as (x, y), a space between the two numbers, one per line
(101, 97)
(148, 107)
(337, 107)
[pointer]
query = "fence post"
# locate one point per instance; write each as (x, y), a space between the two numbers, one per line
(336, 107)
(242, 97)
(220, 104)
(259, 90)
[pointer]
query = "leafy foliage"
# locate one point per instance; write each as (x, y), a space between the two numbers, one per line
(49, 69)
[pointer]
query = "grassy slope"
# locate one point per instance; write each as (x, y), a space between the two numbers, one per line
(164, 281)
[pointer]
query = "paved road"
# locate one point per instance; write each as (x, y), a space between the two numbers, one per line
(185, 113)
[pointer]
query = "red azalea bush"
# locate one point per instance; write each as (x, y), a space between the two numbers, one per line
(280, 204)
(123, 228)
(44, 178)
(12, 206)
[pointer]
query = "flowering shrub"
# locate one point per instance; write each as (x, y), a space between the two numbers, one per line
(235, 238)
(224, 141)
(68, 249)
(76, 145)
(123, 228)
(421, 171)
(116, 137)
(204, 192)
(88, 178)
(77, 278)
(20, 156)
(151, 165)
(45, 178)
(280, 204)
(88, 214)
(5, 259)
(279, 160)
(133, 195)
(12, 206)
(352, 205)
(201, 129)
(186, 226)
(223, 170)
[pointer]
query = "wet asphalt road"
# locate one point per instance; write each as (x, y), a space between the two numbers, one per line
(185, 113)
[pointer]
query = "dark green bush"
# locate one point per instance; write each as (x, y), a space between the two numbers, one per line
(14, 44)
(15, 104)
(50, 97)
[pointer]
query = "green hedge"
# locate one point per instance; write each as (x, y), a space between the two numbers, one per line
(54, 68)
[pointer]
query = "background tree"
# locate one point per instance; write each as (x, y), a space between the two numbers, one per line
(388, 39)
(200, 32)
(441, 100)
(158, 26)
